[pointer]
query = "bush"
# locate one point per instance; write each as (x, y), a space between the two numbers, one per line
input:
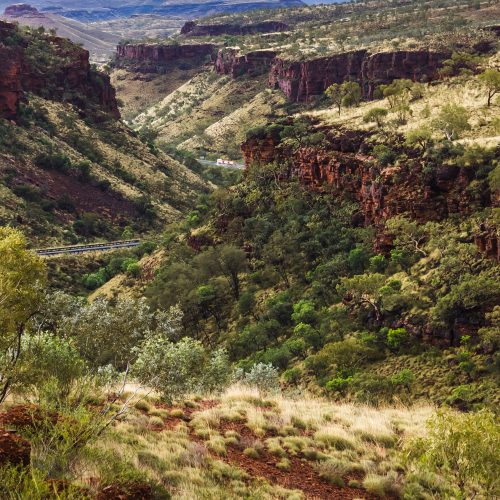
(262, 376)
(53, 161)
(175, 369)
(46, 356)
(397, 338)
(133, 269)
(304, 312)
(464, 446)
(404, 378)
(292, 375)
(384, 154)
(338, 384)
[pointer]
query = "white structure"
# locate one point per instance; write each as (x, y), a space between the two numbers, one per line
(220, 161)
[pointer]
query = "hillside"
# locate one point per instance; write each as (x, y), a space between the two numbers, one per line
(99, 44)
(382, 169)
(321, 321)
(68, 162)
(300, 57)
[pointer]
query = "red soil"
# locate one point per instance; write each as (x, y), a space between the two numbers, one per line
(23, 416)
(138, 491)
(13, 449)
(300, 476)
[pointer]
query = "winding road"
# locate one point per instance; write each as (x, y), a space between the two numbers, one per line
(92, 247)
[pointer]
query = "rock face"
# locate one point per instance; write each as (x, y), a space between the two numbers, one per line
(344, 168)
(301, 80)
(191, 28)
(232, 62)
(149, 57)
(20, 9)
(70, 75)
(10, 82)
(384, 67)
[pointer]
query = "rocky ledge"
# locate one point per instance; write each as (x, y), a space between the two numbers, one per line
(149, 57)
(232, 62)
(69, 75)
(343, 166)
(302, 81)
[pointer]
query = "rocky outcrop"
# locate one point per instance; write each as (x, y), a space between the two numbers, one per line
(191, 28)
(301, 81)
(488, 242)
(68, 75)
(10, 82)
(20, 9)
(384, 67)
(343, 167)
(232, 62)
(149, 57)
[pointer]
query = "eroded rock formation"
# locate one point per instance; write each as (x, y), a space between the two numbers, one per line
(344, 168)
(232, 62)
(303, 80)
(149, 57)
(10, 82)
(69, 75)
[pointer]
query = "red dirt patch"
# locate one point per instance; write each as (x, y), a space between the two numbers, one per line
(300, 476)
(14, 449)
(138, 491)
(24, 416)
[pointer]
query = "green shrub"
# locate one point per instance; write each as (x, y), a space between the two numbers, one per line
(263, 376)
(175, 369)
(464, 447)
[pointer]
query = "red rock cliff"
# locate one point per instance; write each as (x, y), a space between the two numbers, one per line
(381, 192)
(10, 82)
(69, 74)
(148, 57)
(303, 80)
(232, 62)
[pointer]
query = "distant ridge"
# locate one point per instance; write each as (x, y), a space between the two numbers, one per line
(99, 43)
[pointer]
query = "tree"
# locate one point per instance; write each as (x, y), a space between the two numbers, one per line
(352, 93)
(226, 260)
(397, 92)
(345, 94)
(408, 234)
(491, 80)
(376, 115)
(363, 291)
(452, 120)
(464, 446)
(22, 279)
(334, 93)
(420, 136)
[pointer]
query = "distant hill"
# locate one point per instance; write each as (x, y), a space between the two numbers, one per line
(98, 10)
(99, 43)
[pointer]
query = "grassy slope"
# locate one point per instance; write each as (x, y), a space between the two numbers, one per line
(464, 91)
(212, 112)
(246, 445)
(138, 92)
(143, 171)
